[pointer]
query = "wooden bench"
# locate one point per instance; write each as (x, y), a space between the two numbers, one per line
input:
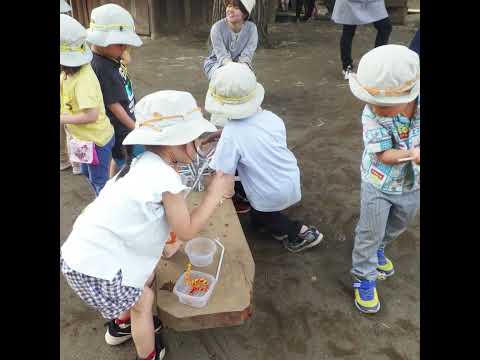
(231, 300)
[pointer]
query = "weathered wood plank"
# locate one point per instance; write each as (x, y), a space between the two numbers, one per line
(231, 299)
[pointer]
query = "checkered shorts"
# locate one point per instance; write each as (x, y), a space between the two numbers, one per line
(109, 297)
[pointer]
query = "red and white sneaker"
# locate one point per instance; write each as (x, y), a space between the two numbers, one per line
(241, 206)
(118, 333)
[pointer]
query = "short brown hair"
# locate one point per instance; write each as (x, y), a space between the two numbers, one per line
(238, 4)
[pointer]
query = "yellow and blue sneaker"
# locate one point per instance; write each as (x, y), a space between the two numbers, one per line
(366, 297)
(385, 266)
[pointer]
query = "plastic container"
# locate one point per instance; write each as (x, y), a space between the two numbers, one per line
(200, 251)
(197, 300)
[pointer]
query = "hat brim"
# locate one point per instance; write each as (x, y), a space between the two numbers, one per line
(360, 93)
(106, 38)
(64, 7)
(174, 135)
(76, 58)
(235, 111)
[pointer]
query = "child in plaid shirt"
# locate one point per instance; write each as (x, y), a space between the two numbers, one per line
(388, 80)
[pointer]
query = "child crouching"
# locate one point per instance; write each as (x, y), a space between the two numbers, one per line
(111, 254)
(253, 142)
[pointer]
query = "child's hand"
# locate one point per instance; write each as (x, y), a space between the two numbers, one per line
(415, 153)
(221, 185)
(171, 249)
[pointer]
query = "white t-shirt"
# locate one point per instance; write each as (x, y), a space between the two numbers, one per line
(125, 228)
(257, 147)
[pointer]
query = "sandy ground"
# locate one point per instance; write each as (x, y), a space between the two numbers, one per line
(303, 302)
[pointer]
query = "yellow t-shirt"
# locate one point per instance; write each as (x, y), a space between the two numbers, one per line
(79, 92)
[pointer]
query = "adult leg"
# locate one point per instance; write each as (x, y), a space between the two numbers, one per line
(415, 44)
(384, 29)
(298, 8)
(309, 6)
(369, 233)
(346, 45)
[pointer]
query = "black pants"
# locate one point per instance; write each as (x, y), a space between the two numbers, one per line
(309, 4)
(276, 222)
(384, 29)
(238, 187)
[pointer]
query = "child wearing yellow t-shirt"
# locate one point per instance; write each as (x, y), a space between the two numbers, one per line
(82, 108)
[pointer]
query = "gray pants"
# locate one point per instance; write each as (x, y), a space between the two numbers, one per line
(383, 217)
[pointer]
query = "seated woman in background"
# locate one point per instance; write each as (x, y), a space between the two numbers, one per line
(233, 38)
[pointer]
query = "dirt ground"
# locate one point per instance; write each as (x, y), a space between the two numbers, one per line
(303, 305)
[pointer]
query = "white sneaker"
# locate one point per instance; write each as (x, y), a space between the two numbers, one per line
(76, 169)
(346, 72)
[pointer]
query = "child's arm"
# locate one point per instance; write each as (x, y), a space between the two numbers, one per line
(392, 156)
(186, 225)
(122, 115)
(84, 117)
(247, 54)
(221, 52)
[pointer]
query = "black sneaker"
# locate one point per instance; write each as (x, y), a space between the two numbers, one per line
(119, 333)
(304, 240)
(159, 349)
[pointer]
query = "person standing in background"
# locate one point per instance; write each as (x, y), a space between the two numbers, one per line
(309, 6)
(415, 44)
(350, 14)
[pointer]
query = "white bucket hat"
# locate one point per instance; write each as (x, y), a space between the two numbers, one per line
(74, 51)
(167, 117)
(112, 24)
(249, 5)
(388, 75)
(64, 7)
(234, 92)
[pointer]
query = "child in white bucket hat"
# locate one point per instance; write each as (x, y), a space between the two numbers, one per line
(116, 243)
(232, 38)
(388, 81)
(253, 142)
(111, 32)
(82, 110)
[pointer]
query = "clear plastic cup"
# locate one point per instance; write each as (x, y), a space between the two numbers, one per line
(200, 251)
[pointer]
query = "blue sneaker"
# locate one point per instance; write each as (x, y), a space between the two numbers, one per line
(385, 266)
(366, 297)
